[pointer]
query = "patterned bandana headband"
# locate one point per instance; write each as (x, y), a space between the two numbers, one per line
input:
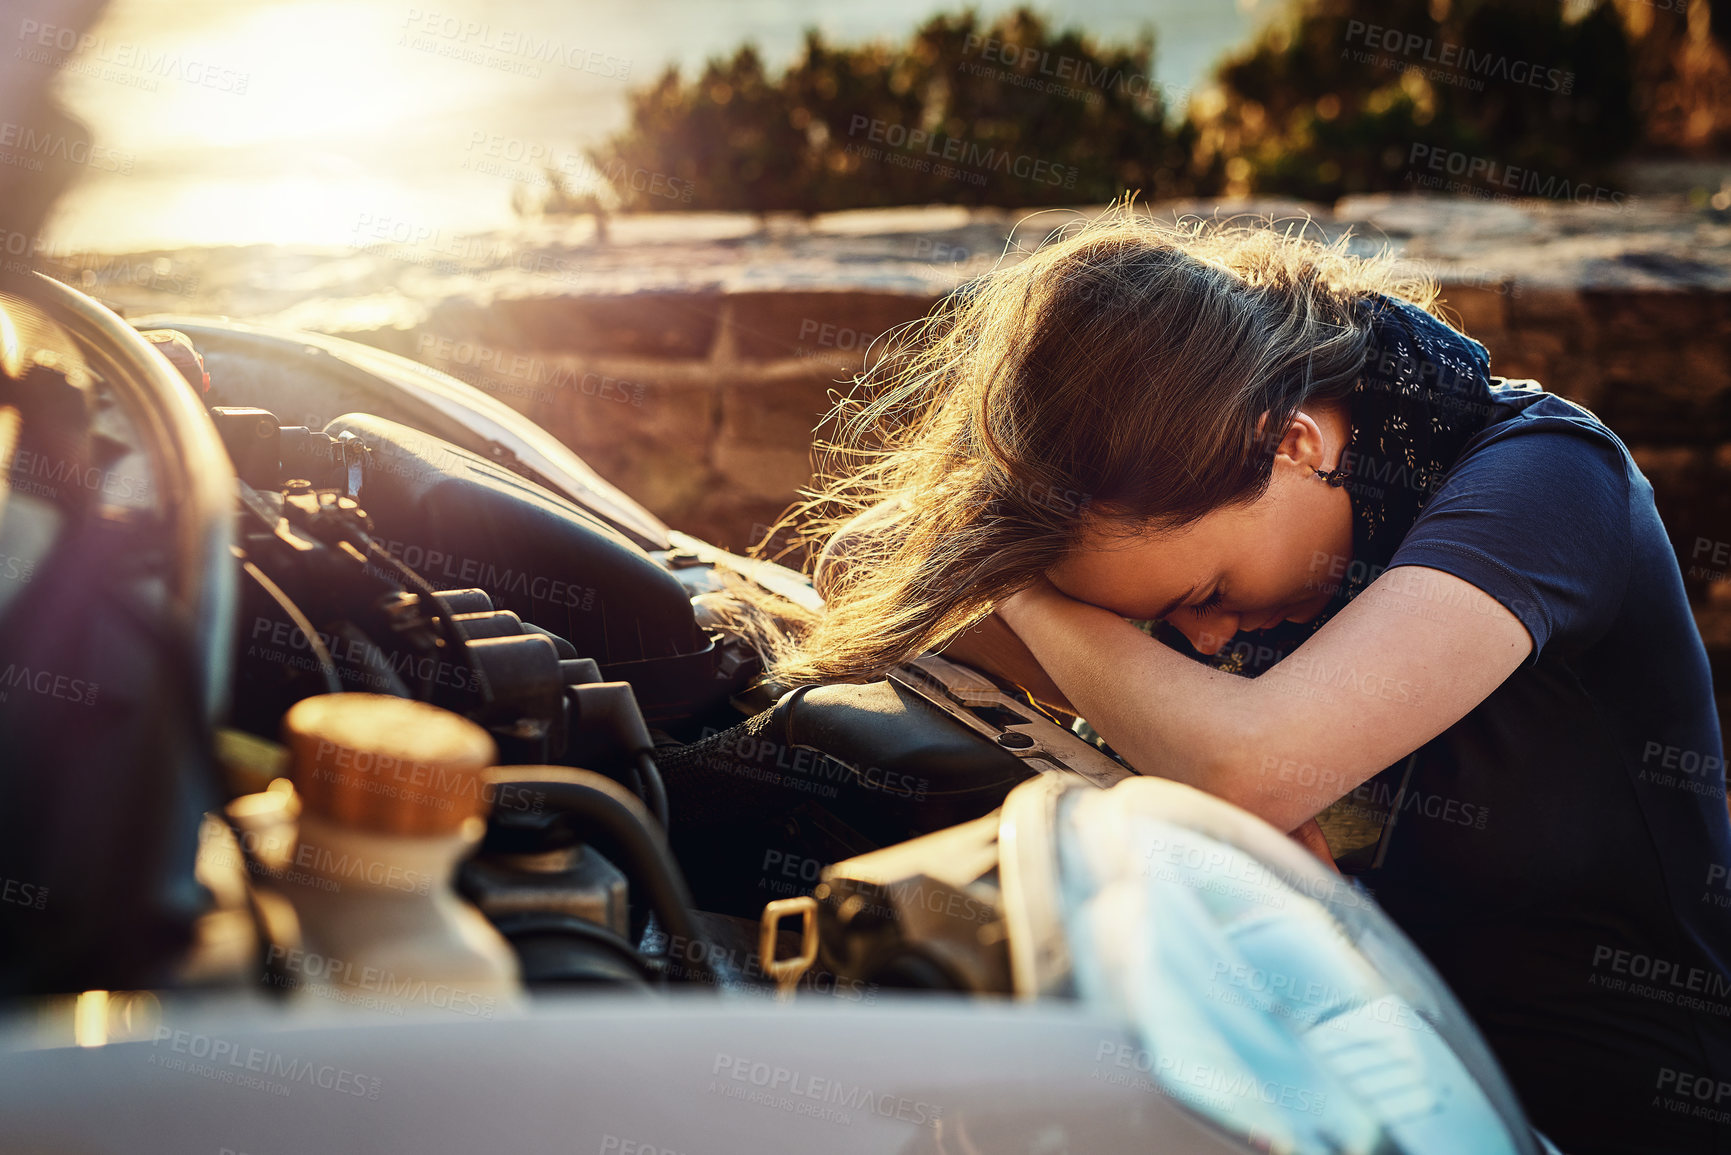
(1423, 393)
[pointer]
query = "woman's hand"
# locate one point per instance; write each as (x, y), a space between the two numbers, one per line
(991, 645)
(988, 645)
(1037, 598)
(1309, 836)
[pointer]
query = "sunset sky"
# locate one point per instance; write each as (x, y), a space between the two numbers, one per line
(294, 121)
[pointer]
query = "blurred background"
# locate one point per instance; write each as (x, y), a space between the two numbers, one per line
(283, 120)
(334, 106)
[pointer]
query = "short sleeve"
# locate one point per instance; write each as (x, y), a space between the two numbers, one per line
(1536, 514)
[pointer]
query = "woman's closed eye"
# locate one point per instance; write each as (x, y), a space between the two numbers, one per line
(1212, 601)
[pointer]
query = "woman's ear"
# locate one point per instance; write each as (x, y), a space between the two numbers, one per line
(1302, 441)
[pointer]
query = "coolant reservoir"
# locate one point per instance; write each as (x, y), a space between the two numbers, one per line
(393, 796)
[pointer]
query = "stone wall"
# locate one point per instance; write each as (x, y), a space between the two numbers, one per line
(703, 407)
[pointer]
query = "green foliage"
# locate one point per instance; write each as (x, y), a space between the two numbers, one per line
(1318, 107)
(941, 118)
(1321, 105)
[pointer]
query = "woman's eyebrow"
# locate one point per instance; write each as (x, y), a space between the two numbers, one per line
(1174, 604)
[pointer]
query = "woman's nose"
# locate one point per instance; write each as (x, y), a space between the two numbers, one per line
(1207, 633)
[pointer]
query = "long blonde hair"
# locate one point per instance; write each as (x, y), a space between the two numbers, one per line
(1111, 380)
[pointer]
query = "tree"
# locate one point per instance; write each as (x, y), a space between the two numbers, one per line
(1346, 96)
(1010, 112)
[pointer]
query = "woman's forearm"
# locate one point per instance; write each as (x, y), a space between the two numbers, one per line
(992, 645)
(1164, 713)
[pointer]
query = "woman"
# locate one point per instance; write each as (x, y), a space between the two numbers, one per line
(1468, 646)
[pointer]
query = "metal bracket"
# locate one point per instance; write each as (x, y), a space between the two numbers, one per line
(788, 972)
(1050, 748)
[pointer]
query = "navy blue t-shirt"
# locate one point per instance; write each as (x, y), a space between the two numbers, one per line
(1561, 854)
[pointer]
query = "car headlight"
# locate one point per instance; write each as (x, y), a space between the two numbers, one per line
(1271, 997)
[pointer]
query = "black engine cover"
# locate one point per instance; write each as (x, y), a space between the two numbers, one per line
(461, 521)
(828, 773)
